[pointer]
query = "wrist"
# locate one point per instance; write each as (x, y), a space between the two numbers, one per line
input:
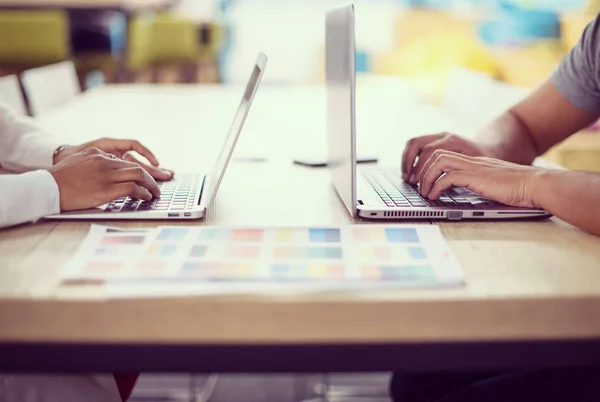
(541, 185)
(490, 151)
(58, 154)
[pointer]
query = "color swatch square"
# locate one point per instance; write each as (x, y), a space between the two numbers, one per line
(324, 235)
(172, 234)
(104, 266)
(162, 249)
(284, 235)
(388, 272)
(285, 272)
(325, 252)
(416, 273)
(326, 271)
(402, 235)
(150, 266)
(231, 271)
(107, 251)
(406, 273)
(317, 271)
(247, 235)
(371, 272)
(209, 234)
(369, 234)
(336, 271)
(110, 240)
(242, 251)
(282, 252)
(198, 250)
(374, 253)
(417, 253)
(199, 269)
(190, 266)
(218, 271)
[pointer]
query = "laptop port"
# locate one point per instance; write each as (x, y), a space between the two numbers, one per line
(479, 213)
(173, 214)
(187, 214)
(454, 215)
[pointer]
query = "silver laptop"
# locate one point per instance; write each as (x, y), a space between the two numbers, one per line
(187, 196)
(380, 193)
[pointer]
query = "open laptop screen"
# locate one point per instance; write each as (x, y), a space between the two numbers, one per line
(341, 80)
(214, 180)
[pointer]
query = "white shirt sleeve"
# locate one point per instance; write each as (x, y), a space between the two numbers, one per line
(27, 197)
(23, 147)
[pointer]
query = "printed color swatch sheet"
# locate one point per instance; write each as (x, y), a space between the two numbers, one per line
(399, 255)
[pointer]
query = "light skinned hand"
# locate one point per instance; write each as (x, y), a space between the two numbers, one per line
(92, 178)
(420, 149)
(501, 181)
(121, 149)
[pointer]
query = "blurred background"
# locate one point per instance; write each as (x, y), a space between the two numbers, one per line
(97, 42)
(211, 41)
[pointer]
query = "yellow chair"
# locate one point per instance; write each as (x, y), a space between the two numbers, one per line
(32, 39)
(139, 53)
(212, 40)
(133, 63)
(175, 45)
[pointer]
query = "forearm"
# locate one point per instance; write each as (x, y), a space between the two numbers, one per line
(23, 146)
(508, 139)
(571, 196)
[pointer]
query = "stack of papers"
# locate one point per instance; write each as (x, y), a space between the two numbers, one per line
(262, 259)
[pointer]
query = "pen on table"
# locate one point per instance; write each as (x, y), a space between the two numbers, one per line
(250, 159)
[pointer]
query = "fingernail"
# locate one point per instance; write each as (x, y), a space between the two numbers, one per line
(413, 179)
(148, 195)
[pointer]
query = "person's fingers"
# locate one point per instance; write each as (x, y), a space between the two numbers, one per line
(412, 150)
(93, 151)
(137, 175)
(123, 146)
(459, 178)
(128, 189)
(434, 158)
(156, 172)
(133, 145)
(425, 157)
(442, 162)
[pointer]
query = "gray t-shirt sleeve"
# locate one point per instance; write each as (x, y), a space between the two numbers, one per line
(577, 77)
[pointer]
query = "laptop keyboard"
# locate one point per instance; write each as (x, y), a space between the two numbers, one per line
(394, 192)
(175, 195)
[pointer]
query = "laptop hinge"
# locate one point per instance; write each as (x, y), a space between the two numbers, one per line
(201, 190)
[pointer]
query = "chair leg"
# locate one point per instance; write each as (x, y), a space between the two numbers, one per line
(155, 71)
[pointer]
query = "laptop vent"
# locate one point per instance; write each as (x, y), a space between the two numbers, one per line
(414, 214)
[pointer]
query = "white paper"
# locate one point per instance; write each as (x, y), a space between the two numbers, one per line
(181, 260)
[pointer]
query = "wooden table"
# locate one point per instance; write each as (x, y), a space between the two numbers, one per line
(532, 298)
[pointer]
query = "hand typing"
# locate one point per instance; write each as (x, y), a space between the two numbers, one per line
(420, 149)
(122, 149)
(92, 177)
(501, 181)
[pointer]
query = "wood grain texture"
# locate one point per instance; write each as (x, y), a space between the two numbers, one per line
(526, 280)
